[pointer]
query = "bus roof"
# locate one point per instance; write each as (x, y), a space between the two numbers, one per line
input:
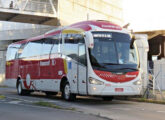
(83, 26)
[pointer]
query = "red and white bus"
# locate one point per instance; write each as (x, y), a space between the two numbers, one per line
(96, 58)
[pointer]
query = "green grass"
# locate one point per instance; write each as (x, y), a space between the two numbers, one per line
(51, 105)
(15, 99)
(2, 97)
(3, 86)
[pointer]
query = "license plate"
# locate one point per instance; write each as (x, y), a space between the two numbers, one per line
(119, 89)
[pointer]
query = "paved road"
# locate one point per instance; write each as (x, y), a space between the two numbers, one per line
(10, 111)
(14, 107)
(117, 110)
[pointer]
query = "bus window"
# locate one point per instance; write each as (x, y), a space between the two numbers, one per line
(20, 50)
(12, 52)
(70, 46)
(82, 54)
(55, 47)
(47, 45)
(55, 40)
(35, 48)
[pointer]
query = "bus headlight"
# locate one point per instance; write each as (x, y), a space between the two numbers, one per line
(137, 82)
(94, 81)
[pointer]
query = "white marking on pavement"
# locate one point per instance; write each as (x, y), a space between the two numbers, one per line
(20, 99)
(126, 109)
(161, 111)
(14, 102)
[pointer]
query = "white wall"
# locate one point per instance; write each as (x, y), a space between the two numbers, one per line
(2, 66)
(159, 73)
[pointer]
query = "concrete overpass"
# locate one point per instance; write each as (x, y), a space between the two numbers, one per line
(9, 36)
(29, 11)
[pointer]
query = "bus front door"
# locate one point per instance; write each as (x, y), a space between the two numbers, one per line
(82, 70)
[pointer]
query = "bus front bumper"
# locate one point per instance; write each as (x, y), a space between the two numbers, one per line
(101, 90)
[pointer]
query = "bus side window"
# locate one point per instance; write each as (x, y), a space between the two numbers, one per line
(12, 52)
(70, 46)
(32, 48)
(82, 50)
(55, 41)
(20, 50)
(82, 54)
(46, 46)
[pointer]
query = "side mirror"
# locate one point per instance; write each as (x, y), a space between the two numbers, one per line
(132, 41)
(89, 39)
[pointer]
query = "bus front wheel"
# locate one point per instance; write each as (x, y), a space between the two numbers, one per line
(66, 93)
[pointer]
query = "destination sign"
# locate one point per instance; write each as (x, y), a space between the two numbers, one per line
(102, 35)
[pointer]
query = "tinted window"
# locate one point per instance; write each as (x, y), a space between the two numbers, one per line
(125, 54)
(82, 54)
(112, 52)
(104, 51)
(70, 46)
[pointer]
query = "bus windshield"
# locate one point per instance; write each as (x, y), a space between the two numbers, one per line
(112, 49)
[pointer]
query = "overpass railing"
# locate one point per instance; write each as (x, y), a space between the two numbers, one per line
(39, 6)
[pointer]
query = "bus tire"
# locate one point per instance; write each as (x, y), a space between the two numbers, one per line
(107, 98)
(20, 91)
(66, 93)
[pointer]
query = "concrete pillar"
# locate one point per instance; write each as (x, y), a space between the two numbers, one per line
(2, 66)
(3, 48)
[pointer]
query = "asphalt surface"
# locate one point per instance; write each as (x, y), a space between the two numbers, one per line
(86, 108)
(14, 107)
(10, 111)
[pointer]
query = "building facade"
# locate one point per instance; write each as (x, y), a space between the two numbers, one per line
(71, 11)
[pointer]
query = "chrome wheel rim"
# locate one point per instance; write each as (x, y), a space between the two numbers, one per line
(67, 91)
(19, 88)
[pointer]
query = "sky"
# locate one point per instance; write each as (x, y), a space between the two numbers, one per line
(144, 14)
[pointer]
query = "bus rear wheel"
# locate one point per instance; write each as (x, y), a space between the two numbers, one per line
(66, 93)
(20, 91)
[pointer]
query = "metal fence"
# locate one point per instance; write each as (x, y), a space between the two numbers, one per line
(156, 84)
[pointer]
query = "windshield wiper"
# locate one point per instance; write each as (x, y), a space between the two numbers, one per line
(128, 68)
(105, 64)
(111, 63)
